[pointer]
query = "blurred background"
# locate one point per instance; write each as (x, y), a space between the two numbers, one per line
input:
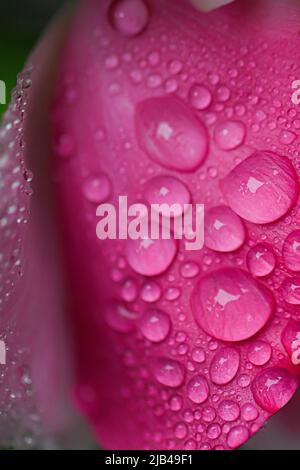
(21, 23)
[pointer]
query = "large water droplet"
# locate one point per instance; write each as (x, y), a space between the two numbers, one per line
(259, 353)
(229, 135)
(291, 251)
(290, 290)
(200, 97)
(262, 188)
(130, 17)
(155, 325)
(198, 389)
(224, 365)
(273, 388)
(168, 372)
(170, 191)
(150, 257)
(170, 134)
(231, 306)
(291, 341)
(229, 410)
(261, 260)
(224, 230)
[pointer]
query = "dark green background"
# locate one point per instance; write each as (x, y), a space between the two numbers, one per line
(21, 23)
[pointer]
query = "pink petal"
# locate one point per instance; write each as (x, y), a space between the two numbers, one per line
(123, 115)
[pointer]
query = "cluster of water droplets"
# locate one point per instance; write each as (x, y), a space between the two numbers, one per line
(201, 321)
(19, 420)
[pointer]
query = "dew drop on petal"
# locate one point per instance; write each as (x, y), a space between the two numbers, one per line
(290, 290)
(198, 389)
(155, 325)
(200, 97)
(230, 305)
(150, 257)
(224, 365)
(259, 353)
(167, 190)
(130, 17)
(291, 251)
(189, 270)
(151, 292)
(273, 388)
(237, 436)
(291, 341)
(119, 318)
(249, 412)
(169, 372)
(224, 230)
(228, 410)
(229, 135)
(97, 188)
(262, 188)
(261, 260)
(170, 134)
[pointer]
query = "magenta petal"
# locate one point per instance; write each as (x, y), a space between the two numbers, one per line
(169, 99)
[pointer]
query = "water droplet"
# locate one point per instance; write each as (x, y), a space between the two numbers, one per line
(224, 230)
(291, 251)
(237, 436)
(181, 430)
(170, 134)
(287, 137)
(198, 355)
(120, 319)
(291, 341)
(170, 191)
(213, 431)
(97, 188)
(151, 292)
(290, 290)
(64, 146)
(155, 325)
(150, 257)
(198, 389)
(262, 188)
(175, 67)
(273, 388)
(223, 93)
(229, 135)
(224, 365)
(189, 270)
(249, 412)
(130, 17)
(172, 294)
(259, 353)
(200, 97)
(229, 410)
(230, 305)
(261, 260)
(129, 291)
(168, 372)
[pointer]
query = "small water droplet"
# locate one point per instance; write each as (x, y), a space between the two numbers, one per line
(130, 17)
(155, 325)
(261, 260)
(168, 372)
(229, 135)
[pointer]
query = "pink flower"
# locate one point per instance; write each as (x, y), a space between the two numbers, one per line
(157, 347)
